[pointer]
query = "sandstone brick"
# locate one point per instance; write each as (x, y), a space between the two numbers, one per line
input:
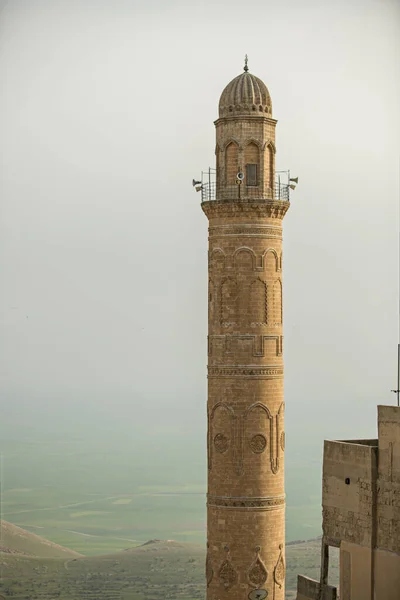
(245, 439)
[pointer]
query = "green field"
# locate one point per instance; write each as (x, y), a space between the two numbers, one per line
(102, 486)
(103, 489)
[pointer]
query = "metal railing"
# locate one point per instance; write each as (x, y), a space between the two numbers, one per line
(242, 192)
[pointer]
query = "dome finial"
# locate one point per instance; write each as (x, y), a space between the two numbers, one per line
(245, 68)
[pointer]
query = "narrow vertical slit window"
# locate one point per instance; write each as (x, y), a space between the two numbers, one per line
(251, 174)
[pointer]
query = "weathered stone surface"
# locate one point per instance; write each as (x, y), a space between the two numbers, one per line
(361, 513)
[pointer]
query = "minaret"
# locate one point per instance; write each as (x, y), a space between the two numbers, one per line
(246, 438)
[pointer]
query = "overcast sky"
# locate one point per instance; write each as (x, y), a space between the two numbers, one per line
(106, 115)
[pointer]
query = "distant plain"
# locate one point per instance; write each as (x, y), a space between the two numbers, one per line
(102, 489)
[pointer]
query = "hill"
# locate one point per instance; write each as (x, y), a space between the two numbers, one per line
(168, 569)
(14, 540)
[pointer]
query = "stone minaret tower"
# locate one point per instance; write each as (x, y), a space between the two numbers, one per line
(246, 437)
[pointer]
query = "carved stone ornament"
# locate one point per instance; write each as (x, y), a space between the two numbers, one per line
(265, 372)
(258, 443)
(246, 502)
(262, 209)
(283, 441)
(227, 574)
(221, 443)
(280, 569)
(257, 574)
(246, 231)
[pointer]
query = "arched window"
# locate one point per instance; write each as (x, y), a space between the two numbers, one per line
(252, 163)
(218, 166)
(271, 175)
(231, 163)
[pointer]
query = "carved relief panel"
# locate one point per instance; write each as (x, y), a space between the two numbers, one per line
(280, 569)
(257, 574)
(239, 437)
(221, 433)
(244, 260)
(257, 303)
(277, 293)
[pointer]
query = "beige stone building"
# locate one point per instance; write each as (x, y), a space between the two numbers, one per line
(361, 516)
(245, 207)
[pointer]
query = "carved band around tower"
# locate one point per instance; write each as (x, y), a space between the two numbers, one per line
(246, 502)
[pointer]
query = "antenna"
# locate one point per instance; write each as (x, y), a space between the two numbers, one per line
(397, 392)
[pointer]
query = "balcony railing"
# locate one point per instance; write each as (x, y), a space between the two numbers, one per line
(210, 191)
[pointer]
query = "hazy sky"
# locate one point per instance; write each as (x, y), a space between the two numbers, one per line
(106, 115)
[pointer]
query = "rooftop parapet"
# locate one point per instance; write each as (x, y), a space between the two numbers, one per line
(309, 589)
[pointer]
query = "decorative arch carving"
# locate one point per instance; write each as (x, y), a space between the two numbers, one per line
(258, 405)
(249, 251)
(265, 254)
(217, 259)
(269, 143)
(252, 140)
(258, 302)
(222, 405)
(279, 437)
(277, 302)
(218, 445)
(274, 432)
(230, 140)
(270, 164)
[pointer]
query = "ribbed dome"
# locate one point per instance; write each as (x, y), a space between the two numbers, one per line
(245, 95)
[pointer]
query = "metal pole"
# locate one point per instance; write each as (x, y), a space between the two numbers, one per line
(397, 390)
(209, 183)
(398, 375)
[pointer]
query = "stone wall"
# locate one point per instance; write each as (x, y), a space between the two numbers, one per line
(387, 555)
(361, 514)
(388, 534)
(348, 492)
(309, 589)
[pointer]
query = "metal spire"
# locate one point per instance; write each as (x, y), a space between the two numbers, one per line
(245, 68)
